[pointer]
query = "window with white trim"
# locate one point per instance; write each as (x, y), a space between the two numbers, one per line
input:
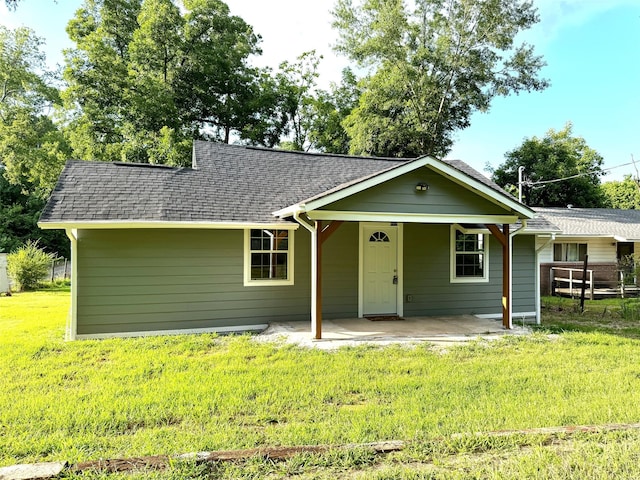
(268, 257)
(469, 256)
(569, 252)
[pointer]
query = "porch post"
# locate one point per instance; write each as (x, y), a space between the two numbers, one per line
(503, 238)
(506, 278)
(316, 282)
(318, 327)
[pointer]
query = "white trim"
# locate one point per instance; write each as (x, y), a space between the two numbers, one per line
(399, 265)
(186, 331)
(248, 282)
(452, 258)
(360, 270)
(498, 316)
(72, 323)
(453, 174)
(391, 217)
(315, 240)
(114, 224)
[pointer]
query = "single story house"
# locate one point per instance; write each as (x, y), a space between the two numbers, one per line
(250, 235)
(606, 235)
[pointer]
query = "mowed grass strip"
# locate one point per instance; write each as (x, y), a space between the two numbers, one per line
(112, 398)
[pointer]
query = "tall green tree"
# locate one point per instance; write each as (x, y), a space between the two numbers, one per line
(331, 108)
(559, 169)
(432, 63)
(32, 147)
(624, 194)
(140, 89)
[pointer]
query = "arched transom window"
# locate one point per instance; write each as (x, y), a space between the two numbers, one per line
(379, 237)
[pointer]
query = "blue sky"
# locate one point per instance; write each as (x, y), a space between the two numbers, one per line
(592, 48)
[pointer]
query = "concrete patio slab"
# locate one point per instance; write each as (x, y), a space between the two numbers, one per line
(446, 330)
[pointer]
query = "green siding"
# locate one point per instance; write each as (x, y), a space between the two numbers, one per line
(145, 280)
(427, 278)
(523, 274)
(149, 280)
(399, 195)
(340, 273)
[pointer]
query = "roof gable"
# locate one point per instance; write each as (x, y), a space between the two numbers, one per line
(456, 171)
(401, 194)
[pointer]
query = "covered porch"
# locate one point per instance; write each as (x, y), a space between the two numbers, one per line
(440, 331)
(419, 237)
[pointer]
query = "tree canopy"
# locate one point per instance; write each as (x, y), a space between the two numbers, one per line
(622, 193)
(32, 147)
(432, 64)
(559, 168)
(146, 77)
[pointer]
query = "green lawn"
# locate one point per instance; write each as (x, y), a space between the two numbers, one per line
(86, 400)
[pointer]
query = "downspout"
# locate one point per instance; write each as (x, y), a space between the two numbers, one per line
(72, 321)
(314, 264)
(511, 235)
(538, 250)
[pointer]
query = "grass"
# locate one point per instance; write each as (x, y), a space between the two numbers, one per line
(86, 400)
(613, 316)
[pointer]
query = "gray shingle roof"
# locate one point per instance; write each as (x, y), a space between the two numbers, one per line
(231, 183)
(622, 224)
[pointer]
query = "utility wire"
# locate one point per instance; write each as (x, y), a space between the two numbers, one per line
(544, 182)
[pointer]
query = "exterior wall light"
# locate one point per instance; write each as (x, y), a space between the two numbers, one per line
(422, 187)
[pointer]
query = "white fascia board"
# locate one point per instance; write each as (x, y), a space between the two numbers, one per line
(531, 231)
(569, 236)
(485, 191)
(289, 211)
(121, 224)
(619, 238)
(408, 217)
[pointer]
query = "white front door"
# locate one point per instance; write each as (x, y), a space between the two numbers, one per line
(379, 270)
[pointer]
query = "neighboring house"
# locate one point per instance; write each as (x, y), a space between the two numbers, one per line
(605, 235)
(251, 235)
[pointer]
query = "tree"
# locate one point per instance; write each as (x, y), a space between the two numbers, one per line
(560, 169)
(32, 147)
(432, 65)
(331, 108)
(146, 71)
(624, 194)
(19, 214)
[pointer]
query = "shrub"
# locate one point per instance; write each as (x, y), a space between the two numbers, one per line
(28, 265)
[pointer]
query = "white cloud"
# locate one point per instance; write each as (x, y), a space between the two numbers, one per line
(291, 27)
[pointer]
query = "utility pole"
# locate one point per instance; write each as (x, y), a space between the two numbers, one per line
(520, 171)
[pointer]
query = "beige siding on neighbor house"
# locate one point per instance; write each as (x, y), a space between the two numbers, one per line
(599, 249)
